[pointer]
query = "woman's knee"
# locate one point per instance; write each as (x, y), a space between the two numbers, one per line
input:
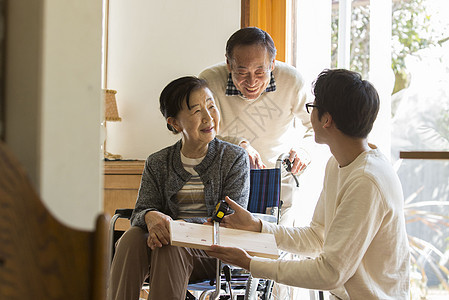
(172, 252)
(172, 257)
(134, 238)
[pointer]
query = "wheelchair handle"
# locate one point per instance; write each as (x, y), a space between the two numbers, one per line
(284, 159)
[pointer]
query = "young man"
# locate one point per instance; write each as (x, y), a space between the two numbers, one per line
(357, 235)
(261, 102)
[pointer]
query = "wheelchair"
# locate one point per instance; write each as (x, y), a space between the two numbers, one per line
(265, 203)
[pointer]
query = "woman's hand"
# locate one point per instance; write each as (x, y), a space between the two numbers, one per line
(231, 255)
(158, 225)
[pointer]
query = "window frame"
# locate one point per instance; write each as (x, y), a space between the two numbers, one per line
(268, 15)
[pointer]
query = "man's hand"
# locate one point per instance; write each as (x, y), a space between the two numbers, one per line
(255, 161)
(231, 255)
(300, 160)
(158, 225)
(239, 219)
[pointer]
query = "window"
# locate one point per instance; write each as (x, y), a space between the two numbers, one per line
(402, 47)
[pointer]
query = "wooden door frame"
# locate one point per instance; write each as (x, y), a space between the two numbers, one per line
(268, 15)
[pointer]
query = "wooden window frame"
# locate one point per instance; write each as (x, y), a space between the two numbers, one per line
(268, 15)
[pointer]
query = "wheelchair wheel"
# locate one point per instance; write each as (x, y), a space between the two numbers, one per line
(206, 295)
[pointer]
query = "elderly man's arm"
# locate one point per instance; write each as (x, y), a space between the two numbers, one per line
(255, 161)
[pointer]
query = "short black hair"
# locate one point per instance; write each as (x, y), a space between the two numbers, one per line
(352, 102)
(173, 95)
(250, 36)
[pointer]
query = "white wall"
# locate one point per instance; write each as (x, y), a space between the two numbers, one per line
(71, 109)
(381, 75)
(152, 42)
(313, 55)
(53, 74)
(313, 38)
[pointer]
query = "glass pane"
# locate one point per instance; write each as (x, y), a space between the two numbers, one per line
(360, 37)
(420, 121)
(420, 104)
(426, 190)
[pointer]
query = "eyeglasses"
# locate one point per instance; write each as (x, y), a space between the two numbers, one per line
(310, 106)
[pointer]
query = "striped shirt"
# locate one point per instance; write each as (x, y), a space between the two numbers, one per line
(191, 197)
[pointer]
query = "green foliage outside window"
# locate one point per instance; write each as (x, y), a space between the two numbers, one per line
(411, 32)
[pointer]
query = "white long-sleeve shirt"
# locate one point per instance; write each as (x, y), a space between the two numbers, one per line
(357, 236)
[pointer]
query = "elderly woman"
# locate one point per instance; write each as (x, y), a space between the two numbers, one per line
(184, 181)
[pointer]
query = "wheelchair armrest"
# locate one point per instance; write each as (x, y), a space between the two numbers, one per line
(265, 217)
(124, 213)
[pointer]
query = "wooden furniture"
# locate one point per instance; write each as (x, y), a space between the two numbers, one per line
(424, 154)
(121, 185)
(40, 257)
(199, 236)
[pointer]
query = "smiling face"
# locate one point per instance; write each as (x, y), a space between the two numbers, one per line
(250, 67)
(199, 124)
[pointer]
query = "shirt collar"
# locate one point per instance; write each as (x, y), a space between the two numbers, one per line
(231, 89)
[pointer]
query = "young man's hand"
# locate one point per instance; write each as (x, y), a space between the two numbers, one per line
(231, 255)
(240, 218)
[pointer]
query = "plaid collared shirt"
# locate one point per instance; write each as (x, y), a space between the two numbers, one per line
(231, 89)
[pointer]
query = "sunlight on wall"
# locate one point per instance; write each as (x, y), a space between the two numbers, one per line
(380, 73)
(313, 55)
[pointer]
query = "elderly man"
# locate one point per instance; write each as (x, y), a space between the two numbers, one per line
(262, 103)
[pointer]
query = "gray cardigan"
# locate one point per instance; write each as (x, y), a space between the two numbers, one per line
(224, 171)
